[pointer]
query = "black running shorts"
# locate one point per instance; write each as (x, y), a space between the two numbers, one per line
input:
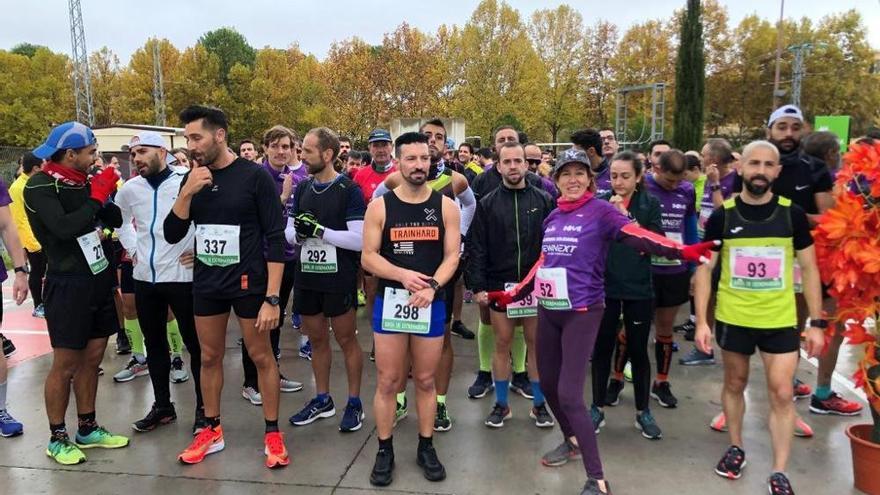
(80, 308)
(247, 307)
(310, 303)
(671, 290)
(742, 340)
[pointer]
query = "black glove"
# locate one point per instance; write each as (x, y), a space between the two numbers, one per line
(307, 225)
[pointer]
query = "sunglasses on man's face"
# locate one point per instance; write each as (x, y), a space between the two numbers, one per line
(534, 161)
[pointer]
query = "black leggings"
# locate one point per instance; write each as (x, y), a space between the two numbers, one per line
(152, 302)
(637, 318)
(37, 261)
(250, 369)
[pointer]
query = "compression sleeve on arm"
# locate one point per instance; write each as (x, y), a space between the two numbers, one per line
(381, 189)
(646, 241)
(351, 239)
(468, 208)
(290, 232)
(691, 235)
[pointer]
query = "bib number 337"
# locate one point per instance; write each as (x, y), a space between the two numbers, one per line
(217, 245)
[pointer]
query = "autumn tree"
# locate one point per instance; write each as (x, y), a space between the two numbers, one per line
(230, 47)
(597, 82)
(104, 72)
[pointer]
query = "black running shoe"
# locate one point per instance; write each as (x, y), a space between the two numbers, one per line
(732, 464)
(778, 484)
(442, 422)
(592, 488)
(8, 346)
(482, 385)
(383, 468)
(123, 345)
(612, 396)
(497, 416)
(200, 423)
(662, 393)
(460, 330)
(521, 385)
(542, 416)
(157, 417)
(685, 327)
(430, 464)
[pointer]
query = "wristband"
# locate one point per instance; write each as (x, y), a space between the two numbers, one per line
(819, 323)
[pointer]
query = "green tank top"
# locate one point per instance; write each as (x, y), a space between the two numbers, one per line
(756, 288)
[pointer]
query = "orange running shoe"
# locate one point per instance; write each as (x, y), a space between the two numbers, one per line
(276, 452)
(208, 441)
(801, 428)
(719, 422)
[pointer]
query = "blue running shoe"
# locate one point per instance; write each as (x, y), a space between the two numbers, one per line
(305, 351)
(296, 321)
(352, 418)
(314, 411)
(9, 427)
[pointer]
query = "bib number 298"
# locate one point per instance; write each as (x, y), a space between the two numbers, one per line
(406, 312)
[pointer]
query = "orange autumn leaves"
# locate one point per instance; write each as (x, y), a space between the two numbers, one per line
(848, 251)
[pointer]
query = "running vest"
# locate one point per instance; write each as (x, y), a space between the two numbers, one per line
(412, 237)
(756, 286)
(442, 183)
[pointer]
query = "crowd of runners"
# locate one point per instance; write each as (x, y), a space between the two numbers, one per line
(571, 257)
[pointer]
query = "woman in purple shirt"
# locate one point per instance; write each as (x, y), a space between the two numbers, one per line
(570, 288)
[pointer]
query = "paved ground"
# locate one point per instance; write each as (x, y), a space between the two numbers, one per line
(478, 460)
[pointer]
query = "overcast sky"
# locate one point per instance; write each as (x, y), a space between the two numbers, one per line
(124, 25)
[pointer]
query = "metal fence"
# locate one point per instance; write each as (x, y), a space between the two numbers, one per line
(9, 156)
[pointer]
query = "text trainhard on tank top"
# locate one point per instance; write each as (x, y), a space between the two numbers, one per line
(413, 236)
(329, 205)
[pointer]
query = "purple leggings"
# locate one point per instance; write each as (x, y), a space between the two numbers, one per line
(564, 346)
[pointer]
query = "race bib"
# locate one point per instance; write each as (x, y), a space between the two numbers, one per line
(705, 213)
(757, 268)
(91, 248)
(524, 308)
(217, 245)
(551, 288)
(798, 277)
(317, 256)
(660, 260)
(399, 316)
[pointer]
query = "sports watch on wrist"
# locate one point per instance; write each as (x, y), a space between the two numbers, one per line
(819, 323)
(273, 300)
(21, 269)
(434, 284)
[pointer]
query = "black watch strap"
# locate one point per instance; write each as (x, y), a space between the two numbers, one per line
(21, 269)
(273, 300)
(434, 284)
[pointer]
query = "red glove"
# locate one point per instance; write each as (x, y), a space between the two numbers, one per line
(500, 298)
(103, 185)
(700, 252)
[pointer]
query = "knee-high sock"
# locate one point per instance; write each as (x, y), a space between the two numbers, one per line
(135, 336)
(663, 354)
(175, 341)
(518, 350)
(485, 346)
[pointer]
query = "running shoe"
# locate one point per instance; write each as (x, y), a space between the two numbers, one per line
(400, 412)
(778, 484)
(250, 394)
(835, 404)
(276, 452)
(155, 418)
(362, 298)
(542, 416)
(305, 350)
(801, 428)
(719, 423)
(178, 371)
(460, 330)
(132, 370)
(383, 468)
(430, 464)
(200, 422)
(39, 311)
(592, 488)
(314, 410)
(497, 416)
(482, 385)
(521, 385)
(684, 327)
(352, 418)
(9, 427)
(612, 396)
(123, 345)
(690, 334)
(296, 321)
(8, 346)
(646, 423)
(598, 417)
(101, 438)
(697, 357)
(208, 441)
(290, 385)
(732, 463)
(65, 452)
(628, 372)
(442, 422)
(662, 393)
(802, 390)
(564, 452)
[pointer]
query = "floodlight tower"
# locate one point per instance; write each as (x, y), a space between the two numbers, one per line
(158, 88)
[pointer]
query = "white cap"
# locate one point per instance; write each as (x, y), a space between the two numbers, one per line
(785, 111)
(147, 138)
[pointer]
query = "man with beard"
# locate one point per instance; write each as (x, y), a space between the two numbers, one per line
(412, 244)
(239, 263)
(468, 160)
(247, 150)
(762, 233)
(327, 219)
(161, 279)
(344, 148)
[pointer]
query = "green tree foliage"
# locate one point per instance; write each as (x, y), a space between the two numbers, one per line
(690, 80)
(230, 47)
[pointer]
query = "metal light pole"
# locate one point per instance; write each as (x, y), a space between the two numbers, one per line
(776, 92)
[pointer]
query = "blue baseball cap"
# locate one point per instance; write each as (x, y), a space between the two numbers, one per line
(379, 135)
(67, 136)
(450, 143)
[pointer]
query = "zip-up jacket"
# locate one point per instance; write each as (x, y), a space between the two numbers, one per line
(628, 270)
(145, 204)
(22, 224)
(490, 179)
(505, 237)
